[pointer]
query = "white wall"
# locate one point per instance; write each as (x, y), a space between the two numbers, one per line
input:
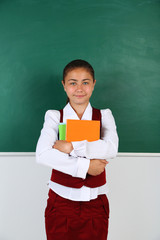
(134, 197)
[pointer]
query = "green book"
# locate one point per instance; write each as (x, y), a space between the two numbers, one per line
(62, 131)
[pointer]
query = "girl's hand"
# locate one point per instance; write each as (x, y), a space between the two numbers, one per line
(63, 146)
(97, 166)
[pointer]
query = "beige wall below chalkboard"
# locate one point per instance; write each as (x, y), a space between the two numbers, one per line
(134, 197)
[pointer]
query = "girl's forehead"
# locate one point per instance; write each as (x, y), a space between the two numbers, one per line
(78, 72)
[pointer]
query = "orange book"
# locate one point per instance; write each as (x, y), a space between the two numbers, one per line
(79, 130)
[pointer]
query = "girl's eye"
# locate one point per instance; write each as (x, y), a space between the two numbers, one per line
(73, 83)
(85, 83)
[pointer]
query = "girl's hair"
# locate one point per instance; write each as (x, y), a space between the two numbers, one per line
(78, 64)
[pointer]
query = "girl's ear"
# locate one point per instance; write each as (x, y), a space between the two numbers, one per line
(63, 85)
(94, 83)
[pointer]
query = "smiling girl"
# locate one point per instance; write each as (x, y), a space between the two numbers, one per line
(77, 207)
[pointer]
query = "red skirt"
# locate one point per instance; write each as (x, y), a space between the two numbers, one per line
(71, 220)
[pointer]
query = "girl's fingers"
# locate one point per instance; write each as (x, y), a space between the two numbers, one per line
(105, 161)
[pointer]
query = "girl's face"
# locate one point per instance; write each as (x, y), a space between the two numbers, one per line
(78, 86)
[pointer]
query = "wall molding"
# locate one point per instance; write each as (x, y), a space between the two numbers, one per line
(32, 154)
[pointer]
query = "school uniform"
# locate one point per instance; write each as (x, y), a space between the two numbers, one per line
(76, 212)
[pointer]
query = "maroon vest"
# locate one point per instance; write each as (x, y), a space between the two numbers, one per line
(75, 182)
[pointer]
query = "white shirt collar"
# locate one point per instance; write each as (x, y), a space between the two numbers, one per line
(69, 113)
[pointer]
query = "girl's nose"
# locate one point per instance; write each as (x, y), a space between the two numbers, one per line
(79, 87)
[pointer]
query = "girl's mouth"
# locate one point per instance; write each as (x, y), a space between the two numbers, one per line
(79, 96)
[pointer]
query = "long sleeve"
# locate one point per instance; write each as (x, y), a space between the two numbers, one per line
(106, 147)
(45, 154)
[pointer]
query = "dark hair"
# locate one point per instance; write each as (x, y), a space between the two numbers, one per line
(78, 64)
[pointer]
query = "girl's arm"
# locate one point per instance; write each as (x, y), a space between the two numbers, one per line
(45, 154)
(106, 147)
(96, 166)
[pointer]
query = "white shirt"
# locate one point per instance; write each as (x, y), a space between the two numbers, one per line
(77, 162)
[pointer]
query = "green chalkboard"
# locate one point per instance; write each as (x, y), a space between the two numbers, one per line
(120, 38)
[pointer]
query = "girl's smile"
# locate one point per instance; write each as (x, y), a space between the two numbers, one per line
(79, 96)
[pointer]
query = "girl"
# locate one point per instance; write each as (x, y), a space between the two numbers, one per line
(77, 207)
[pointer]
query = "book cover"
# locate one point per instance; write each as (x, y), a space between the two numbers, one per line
(79, 130)
(62, 131)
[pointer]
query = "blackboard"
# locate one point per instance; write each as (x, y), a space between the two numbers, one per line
(121, 39)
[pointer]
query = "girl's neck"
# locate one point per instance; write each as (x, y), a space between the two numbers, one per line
(79, 109)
